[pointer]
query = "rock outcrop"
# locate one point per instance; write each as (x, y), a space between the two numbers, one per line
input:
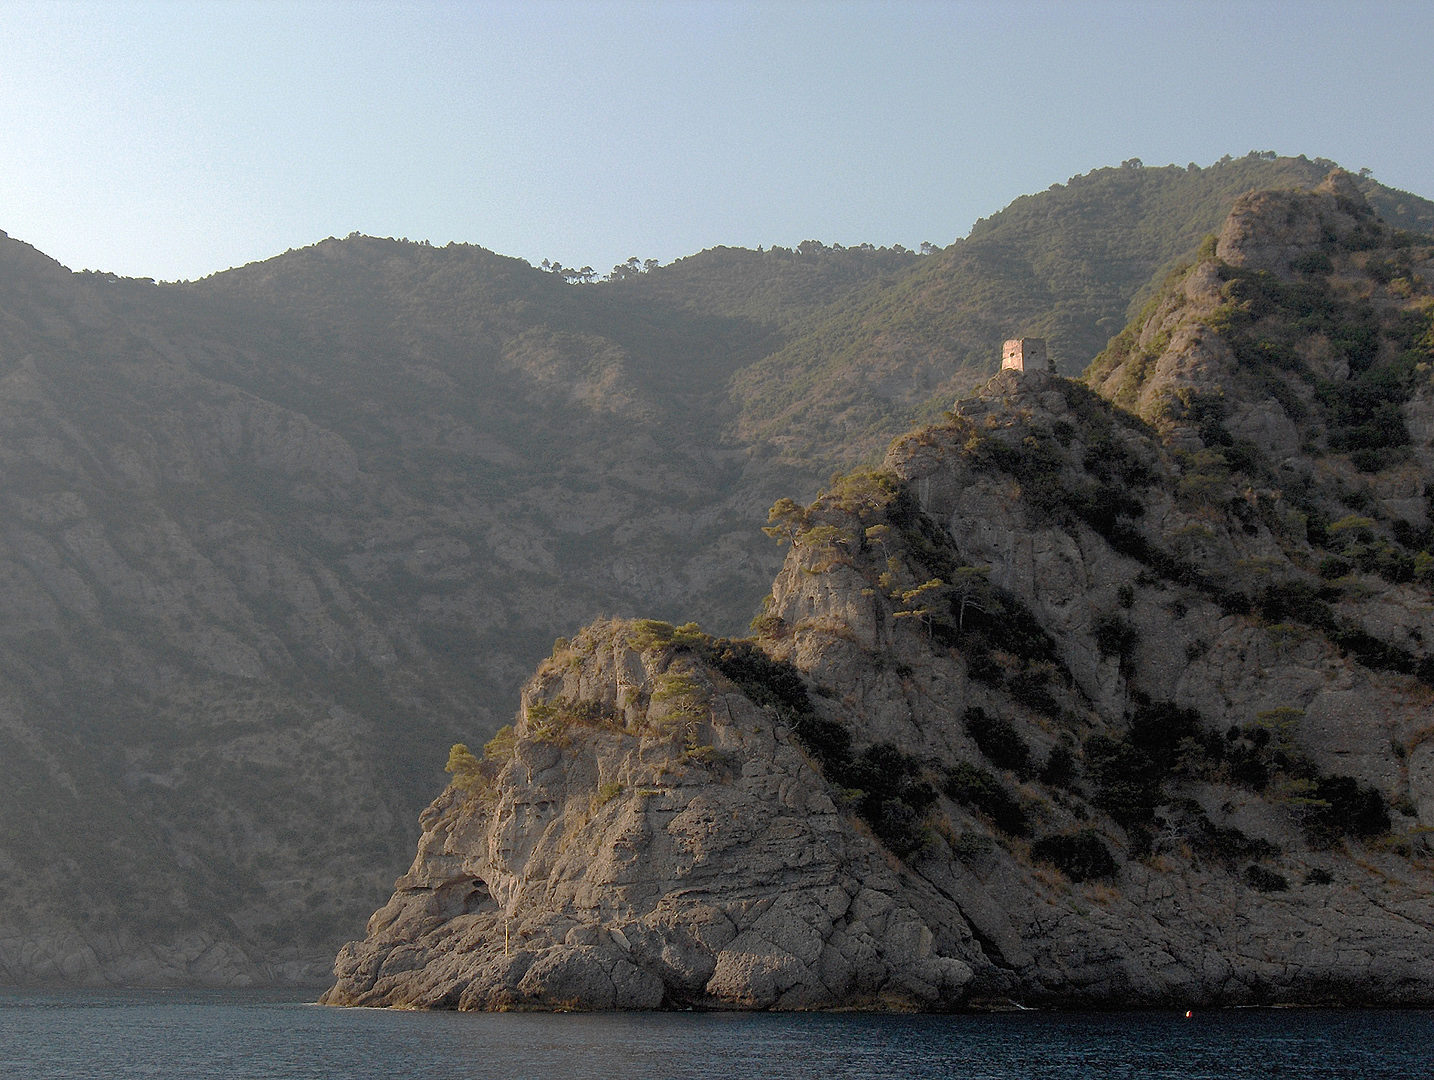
(651, 837)
(1061, 705)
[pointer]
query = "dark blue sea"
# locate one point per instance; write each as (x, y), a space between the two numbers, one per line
(241, 1035)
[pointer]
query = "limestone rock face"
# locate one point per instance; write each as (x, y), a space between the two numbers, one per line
(675, 848)
(1355, 923)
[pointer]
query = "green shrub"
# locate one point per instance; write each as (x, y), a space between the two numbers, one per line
(1031, 686)
(1258, 877)
(548, 720)
(970, 614)
(461, 760)
(1365, 413)
(1332, 567)
(1130, 772)
(766, 681)
(1296, 601)
(1366, 236)
(999, 741)
(970, 785)
(650, 634)
(893, 799)
(776, 684)
(1060, 767)
(1371, 460)
(466, 769)
(1374, 653)
(1115, 636)
(593, 713)
(500, 746)
(1312, 262)
(1127, 782)
(1081, 856)
(1341, 806)
(899, 824)
(1227, 844)
(970, 846)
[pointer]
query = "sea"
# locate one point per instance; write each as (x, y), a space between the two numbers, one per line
(237, 1035)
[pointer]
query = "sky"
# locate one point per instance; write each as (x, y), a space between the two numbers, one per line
(172, 140)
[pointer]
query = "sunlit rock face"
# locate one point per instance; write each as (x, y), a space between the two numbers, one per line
(651, 839)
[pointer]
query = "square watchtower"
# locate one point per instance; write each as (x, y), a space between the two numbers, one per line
(1025, 354)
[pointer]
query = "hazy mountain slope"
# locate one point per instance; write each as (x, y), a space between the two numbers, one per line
(182, 771)
(273, 540)
(1065, 264)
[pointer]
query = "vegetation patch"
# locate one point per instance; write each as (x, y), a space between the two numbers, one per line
(551, 721)
(1060, 767)
(1115, 636)
(1341, 806)
(981, 790)
(1165, 742)
(1265, 880)
(1299, 601)
(1224, 844)
(998, 741)
(1130, 771)
(467, 770)
(1081, 856)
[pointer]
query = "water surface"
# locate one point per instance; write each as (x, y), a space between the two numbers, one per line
(247, 1035)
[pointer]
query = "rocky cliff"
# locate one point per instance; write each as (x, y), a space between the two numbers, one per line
(1063, 704)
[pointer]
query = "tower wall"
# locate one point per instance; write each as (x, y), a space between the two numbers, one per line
(1025, 354)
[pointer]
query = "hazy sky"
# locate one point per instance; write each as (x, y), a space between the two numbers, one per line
(172, 140)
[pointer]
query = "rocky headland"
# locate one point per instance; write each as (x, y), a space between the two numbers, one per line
(1094, 694)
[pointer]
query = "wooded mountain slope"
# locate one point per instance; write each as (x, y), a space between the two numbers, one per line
(1071, 264)
(273, 540)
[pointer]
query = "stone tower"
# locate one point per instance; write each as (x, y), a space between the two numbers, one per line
(1025, 354)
